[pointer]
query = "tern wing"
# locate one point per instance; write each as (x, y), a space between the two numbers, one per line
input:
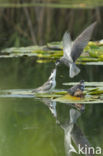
(81, 41)
(73, 89)
(67, 44)
(45, 87)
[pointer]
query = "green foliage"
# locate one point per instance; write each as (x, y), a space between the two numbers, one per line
(52, 51)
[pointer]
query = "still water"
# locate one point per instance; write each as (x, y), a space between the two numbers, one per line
(38, 127)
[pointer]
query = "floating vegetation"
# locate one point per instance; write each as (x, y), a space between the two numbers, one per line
(52, 95)
(93, 53)
(94, 84)
(97, 92)
(92, 88)
(71, 99)
(86, 100)
(96, 50)
(16, 93)
(92, 95)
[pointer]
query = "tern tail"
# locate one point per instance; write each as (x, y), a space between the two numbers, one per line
(74, 70)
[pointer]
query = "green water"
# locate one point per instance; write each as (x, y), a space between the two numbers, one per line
(27, 126)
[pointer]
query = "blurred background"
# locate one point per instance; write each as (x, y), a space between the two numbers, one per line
(31, 22)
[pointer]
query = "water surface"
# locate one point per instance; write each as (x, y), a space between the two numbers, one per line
(31, 126)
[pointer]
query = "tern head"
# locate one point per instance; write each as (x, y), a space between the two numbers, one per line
(57, 62)
(81, 82)
(82, 85)
(53, 74)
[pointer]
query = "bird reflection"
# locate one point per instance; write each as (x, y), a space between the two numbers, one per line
(68, 128)
(73, 135)
(51, 105)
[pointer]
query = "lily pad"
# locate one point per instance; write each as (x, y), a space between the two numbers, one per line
(94, 84)
(70, 99)
(50, 95)
(57, 95)
(92, 88)
(92, 54)
(55, 45)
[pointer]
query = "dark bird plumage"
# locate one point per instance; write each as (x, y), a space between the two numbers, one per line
(73, 50)
(77, 90)
(49, 85)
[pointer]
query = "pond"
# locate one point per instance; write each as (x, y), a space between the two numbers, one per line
(49, 124)
(37, 126)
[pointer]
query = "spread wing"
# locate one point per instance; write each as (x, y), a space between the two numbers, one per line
(81, 41)
(67, 45)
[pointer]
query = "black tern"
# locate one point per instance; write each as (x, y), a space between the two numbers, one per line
(73, 50)
(49, 85)
(77, 90)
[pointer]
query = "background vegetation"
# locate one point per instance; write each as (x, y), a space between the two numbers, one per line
(24, 23)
